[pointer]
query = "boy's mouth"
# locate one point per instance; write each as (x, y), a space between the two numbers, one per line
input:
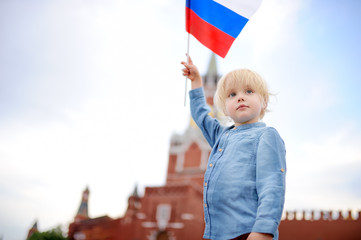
(242, 106)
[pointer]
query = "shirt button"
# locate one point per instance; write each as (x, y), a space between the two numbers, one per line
(211, 165)
(205, 205)
(220, 150)
(205, 184)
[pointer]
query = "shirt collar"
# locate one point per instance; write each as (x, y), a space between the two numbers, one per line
(247, 126)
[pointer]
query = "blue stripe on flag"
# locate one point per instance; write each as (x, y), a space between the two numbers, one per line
(218, 15)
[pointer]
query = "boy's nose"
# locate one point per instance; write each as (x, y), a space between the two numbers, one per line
(241, 99)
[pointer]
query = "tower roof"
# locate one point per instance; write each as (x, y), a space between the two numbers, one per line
(35, 226)
(135, 191)
(33, 229)
(82, 213)
(212, 67)
(210, 80)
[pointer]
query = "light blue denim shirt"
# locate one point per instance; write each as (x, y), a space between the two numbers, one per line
(244, 184)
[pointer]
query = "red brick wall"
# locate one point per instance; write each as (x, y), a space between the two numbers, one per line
(326, 227)
(171, 163)
(193, 156)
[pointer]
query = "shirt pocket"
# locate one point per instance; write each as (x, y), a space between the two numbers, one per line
(237, 181)
(241, 148)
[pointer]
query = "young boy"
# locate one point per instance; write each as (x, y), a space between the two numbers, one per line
(244, 184)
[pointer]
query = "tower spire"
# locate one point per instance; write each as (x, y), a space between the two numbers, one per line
(134, 205)
(211, 80)
(33, 229)
(82, 213)
(135, 191)
(212, 67)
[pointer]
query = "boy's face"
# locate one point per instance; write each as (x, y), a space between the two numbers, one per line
(243, 105)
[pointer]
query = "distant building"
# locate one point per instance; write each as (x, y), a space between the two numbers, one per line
(32, 230)
(175, 212)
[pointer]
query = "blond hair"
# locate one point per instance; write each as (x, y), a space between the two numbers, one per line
(239, 78)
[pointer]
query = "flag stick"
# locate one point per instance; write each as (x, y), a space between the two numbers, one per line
(185, 90)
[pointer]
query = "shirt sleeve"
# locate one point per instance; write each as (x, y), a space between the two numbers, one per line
(270, 182)
(209, 126)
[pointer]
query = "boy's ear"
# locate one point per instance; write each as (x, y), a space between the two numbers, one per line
(265, 104)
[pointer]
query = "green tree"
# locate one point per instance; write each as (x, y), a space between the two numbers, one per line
(54, 234)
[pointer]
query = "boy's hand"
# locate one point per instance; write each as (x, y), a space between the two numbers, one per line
(259, 236)
(191, 72)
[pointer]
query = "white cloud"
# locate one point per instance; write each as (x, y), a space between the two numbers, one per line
(273, 26)
(339, 148)
(323, 171)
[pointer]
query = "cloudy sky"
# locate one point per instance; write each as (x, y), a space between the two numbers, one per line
(91, 92)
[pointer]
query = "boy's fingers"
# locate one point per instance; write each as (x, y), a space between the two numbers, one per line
(186, 66)
(189, 59)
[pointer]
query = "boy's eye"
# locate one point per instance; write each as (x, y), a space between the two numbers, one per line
(232, 94)
(249, 91)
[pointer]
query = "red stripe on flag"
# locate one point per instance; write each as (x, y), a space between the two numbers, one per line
(210, 36)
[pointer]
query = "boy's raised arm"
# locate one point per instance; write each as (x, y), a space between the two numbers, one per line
(191, 72)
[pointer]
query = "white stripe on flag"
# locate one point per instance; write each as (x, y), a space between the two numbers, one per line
(245, 8)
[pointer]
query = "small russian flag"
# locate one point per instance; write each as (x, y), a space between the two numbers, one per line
(217, 23)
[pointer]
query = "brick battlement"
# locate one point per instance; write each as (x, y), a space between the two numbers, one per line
(320, 225)
(322, 215)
